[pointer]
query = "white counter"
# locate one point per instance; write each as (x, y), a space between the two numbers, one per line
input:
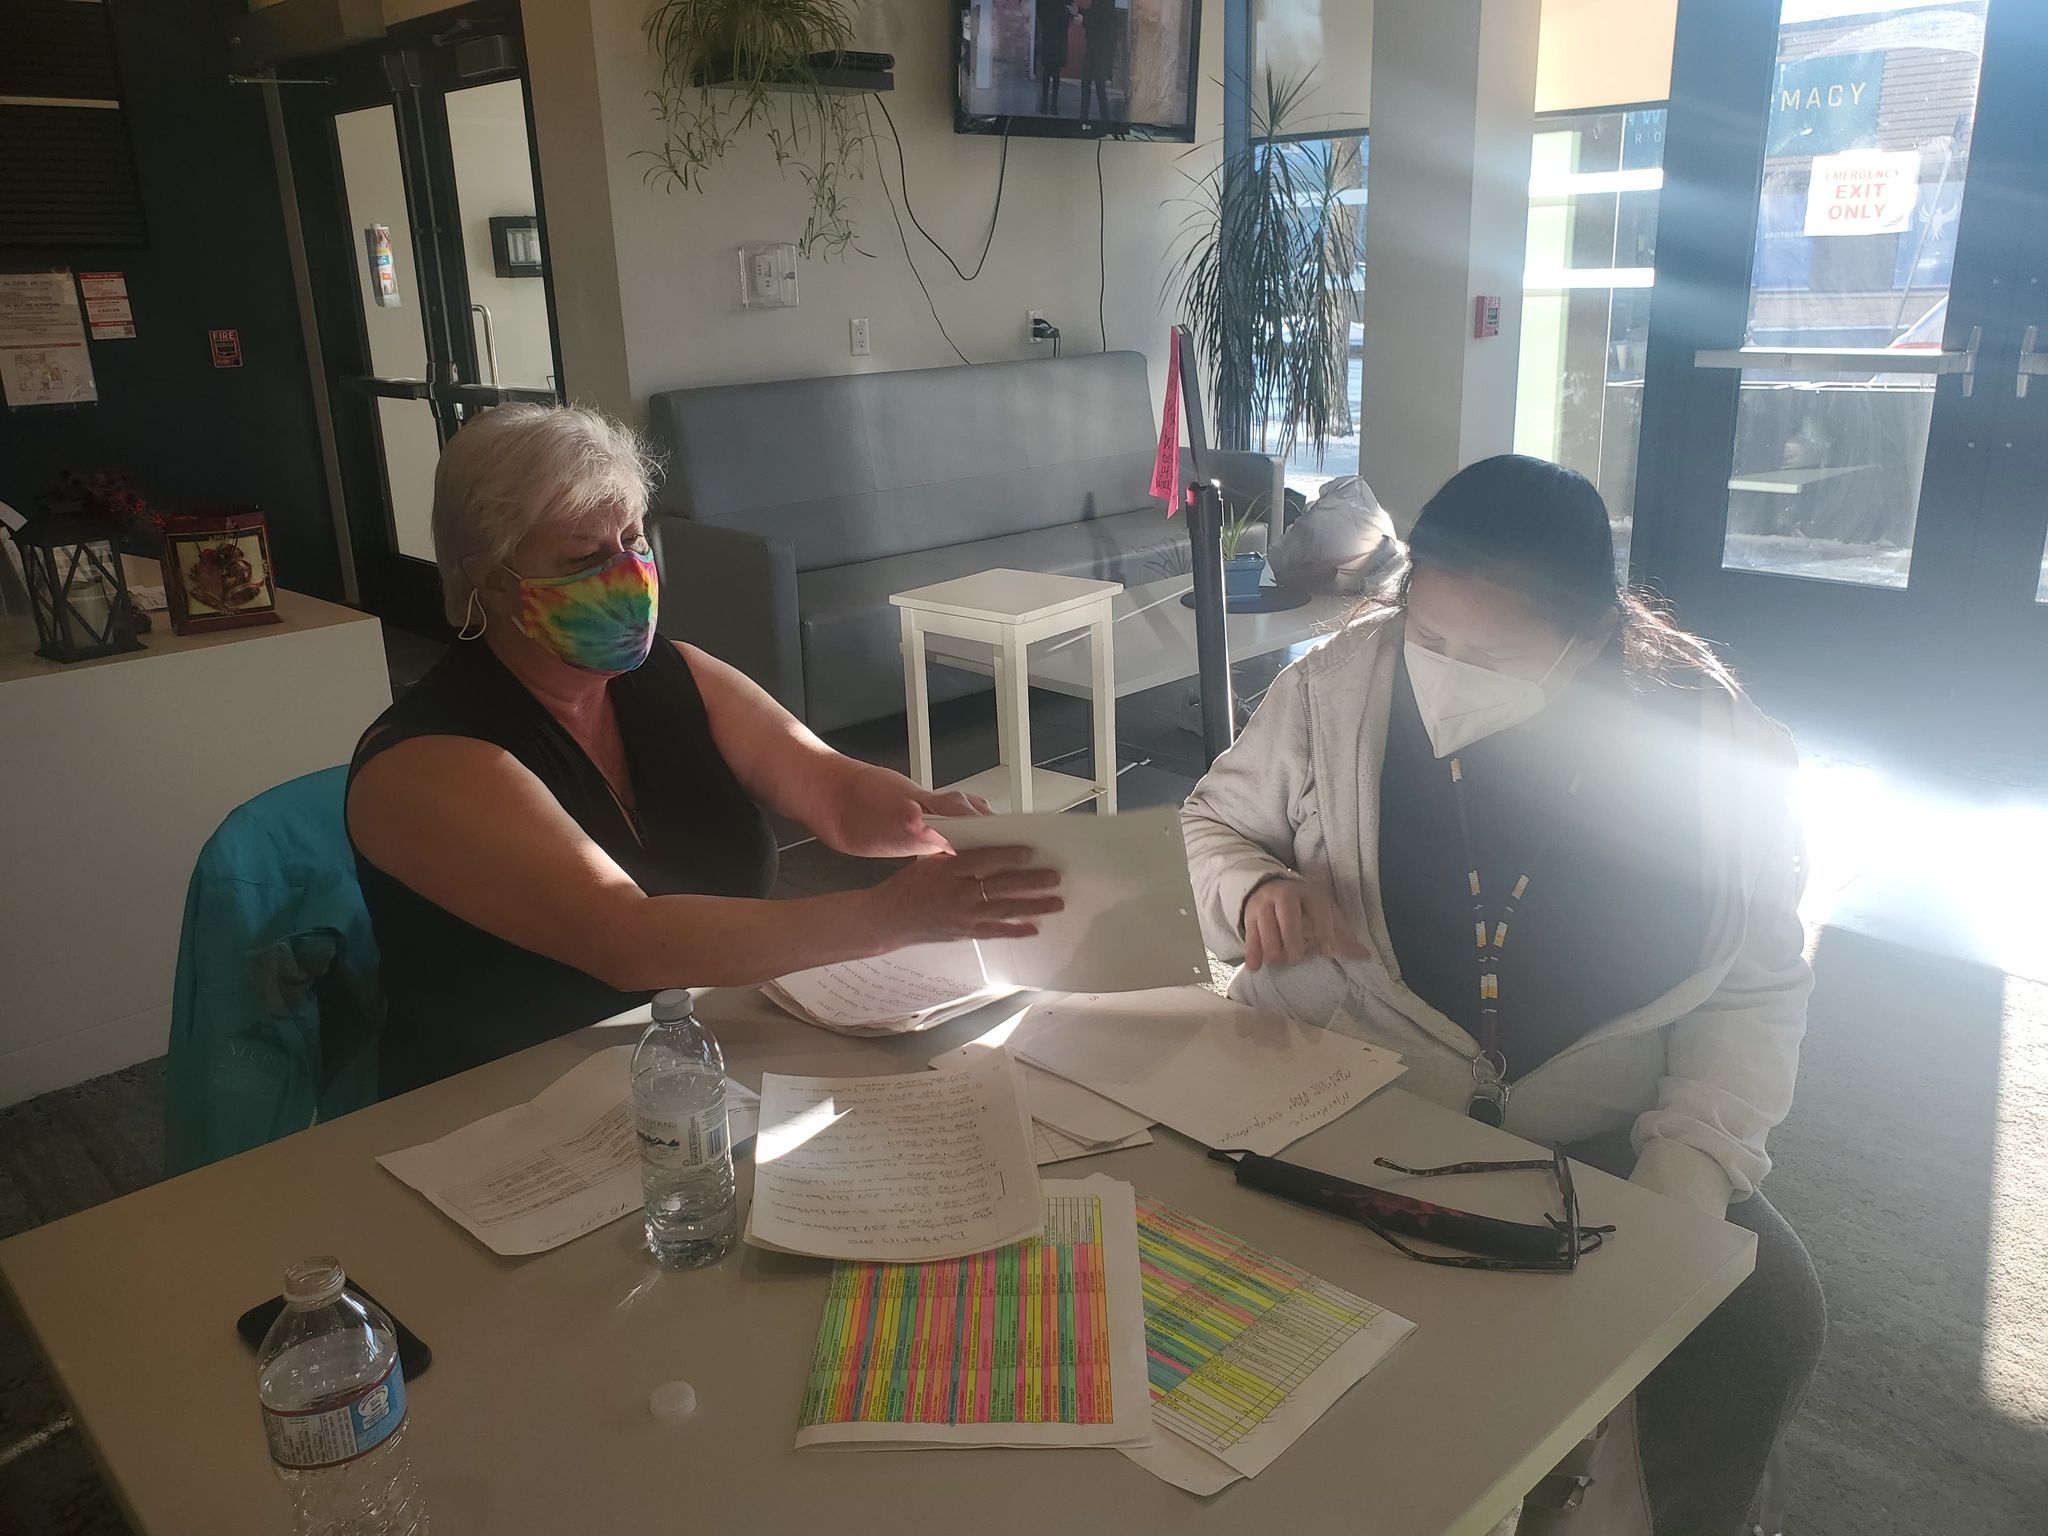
(112, 774)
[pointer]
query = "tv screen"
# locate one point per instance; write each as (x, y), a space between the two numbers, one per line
(1078, 68)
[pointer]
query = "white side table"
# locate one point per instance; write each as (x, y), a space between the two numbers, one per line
(1007, 611)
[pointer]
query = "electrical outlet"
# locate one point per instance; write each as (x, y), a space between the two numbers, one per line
(857, 336)
(1031, 319)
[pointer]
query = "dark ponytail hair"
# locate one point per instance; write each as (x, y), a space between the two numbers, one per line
(1541, 531)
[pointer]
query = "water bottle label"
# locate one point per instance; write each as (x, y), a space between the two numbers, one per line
(682, 1141)
(326, 1437)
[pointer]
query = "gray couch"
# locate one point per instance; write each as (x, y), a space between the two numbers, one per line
(791, 511)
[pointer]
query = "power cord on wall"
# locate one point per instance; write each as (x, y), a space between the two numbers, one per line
(995, 213)
(1101, 248)
(910, 260)
(988, 240)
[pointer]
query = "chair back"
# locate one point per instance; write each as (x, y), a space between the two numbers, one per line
(275, 1011)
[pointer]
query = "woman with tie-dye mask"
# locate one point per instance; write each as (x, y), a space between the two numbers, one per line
(569, 813)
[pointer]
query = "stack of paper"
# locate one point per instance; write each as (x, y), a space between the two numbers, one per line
(1067, 1120)
(1039, 1343)
(532, 1177)
(895, 994)
(1231, 1078)
(1128, 924)
(905, 1169)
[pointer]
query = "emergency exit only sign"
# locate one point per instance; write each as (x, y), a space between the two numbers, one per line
(1863, 192)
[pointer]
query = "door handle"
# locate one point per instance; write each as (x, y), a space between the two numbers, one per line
(389, 389)
(1861, 361)
(2032, 363)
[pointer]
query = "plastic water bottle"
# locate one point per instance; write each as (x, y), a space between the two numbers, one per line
(685, 1146)
(333, 1396)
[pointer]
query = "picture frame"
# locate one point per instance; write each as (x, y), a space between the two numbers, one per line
(217, 571)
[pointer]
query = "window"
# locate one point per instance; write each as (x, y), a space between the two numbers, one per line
(1342, 158)
(1594, 183)
(1864, 168)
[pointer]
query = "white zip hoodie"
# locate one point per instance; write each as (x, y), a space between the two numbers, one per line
(1701, 1073)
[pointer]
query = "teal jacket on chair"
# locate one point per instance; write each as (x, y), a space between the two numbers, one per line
(275, 1013)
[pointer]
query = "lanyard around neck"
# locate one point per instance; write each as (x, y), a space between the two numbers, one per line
(1490, 933)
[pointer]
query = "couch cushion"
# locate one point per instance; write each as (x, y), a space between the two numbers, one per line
(866, 466)
(852, 634)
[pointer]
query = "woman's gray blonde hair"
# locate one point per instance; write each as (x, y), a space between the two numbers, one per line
(515, 468)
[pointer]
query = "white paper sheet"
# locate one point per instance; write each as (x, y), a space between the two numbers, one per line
(1081, 1113)
(1129, 921)
(1065, 1214)
(539, 1174)
(1050, 1144)
(904, 1169)
(43, 356)
(1233, 1079)
(912, 989)
(1256, 1350)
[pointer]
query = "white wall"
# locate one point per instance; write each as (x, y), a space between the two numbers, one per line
(1448, 179)
(676, 262)
(1603, 53)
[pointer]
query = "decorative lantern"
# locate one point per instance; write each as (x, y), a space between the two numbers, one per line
(72, 569)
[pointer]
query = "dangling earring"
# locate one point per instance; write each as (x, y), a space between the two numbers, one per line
(474, 613)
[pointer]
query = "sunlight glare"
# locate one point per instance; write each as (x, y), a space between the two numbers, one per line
(769, 1144)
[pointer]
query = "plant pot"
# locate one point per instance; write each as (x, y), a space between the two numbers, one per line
(1241, 575)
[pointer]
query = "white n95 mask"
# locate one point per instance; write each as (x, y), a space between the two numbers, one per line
(1462, 703)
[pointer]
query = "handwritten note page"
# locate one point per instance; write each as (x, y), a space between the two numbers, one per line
(909, 990)
(534, 1176)
(1232, 1078)
(908, 1169)
(1129, 920)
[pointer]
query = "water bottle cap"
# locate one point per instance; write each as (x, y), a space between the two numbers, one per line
(672, 1005)
(314, 1282)
(672, 1400)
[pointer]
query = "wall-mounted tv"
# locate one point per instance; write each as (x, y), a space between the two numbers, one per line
(1078, 68)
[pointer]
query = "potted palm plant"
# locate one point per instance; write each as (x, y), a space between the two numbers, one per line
(1262, 278)
(729, 67)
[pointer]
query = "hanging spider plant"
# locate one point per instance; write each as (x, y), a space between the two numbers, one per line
(1263, 281)
(729, 67)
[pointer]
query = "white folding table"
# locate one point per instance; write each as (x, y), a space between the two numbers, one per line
(534, 1416)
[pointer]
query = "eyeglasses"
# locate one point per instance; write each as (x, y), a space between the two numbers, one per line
(1489, 1243)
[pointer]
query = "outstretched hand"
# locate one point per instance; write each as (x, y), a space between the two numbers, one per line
(882, 815)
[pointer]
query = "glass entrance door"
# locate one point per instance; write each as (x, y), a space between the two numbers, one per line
(420, 200)
(1868, 468)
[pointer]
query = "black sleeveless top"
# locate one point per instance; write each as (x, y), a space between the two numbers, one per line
(457, 996)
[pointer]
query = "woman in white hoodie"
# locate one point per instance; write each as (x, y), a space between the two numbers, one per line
(1520, 752)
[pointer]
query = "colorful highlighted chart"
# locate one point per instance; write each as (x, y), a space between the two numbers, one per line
(1041, 1342)
(1243, 1350)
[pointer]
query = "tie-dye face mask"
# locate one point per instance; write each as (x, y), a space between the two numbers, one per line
(600, 619)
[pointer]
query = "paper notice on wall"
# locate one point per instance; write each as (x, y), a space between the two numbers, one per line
(43, 356)
(102, 285)
(1863, 192)
(110, 319)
